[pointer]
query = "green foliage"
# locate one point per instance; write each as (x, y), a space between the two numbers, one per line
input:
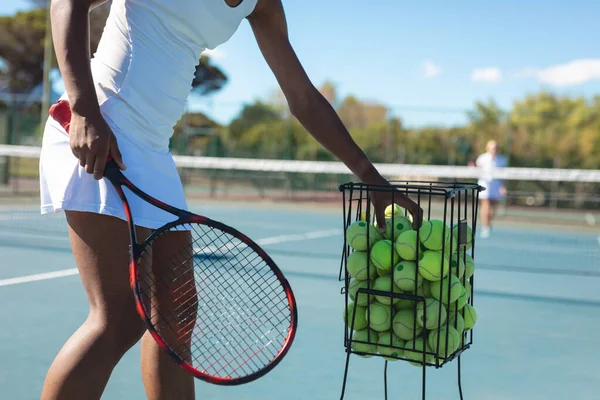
(541, 130)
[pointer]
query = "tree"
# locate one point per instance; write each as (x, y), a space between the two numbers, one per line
(22, 45)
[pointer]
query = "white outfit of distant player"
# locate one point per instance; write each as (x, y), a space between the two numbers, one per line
(493, 186)
(143, 70)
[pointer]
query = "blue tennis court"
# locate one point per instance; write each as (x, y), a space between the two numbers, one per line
(536, 294)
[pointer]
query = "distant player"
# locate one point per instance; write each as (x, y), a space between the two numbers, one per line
(494, 188)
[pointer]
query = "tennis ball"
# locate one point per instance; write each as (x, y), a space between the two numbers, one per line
(385, 284)
(406, 245)
(387, 339)
(469, 266)
(379, 316)
(470, 317)
(370, 337)
(463, 299)
(449, 341)
(455, 233)
(405, 325)
(456, 321)
(360, 321)
(406, 276)
(433, 234)
(356, 235)
(414, 352)
(434, 318)
(404, 304)
(457, 265)
(363, 298)
(396, 227)
(382, 272)
(383, 255)
(456, 289)
(358, 266)
(425, 289)
(393, 209)
(433, 266)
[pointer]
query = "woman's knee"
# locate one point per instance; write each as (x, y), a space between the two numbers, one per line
(117, 331)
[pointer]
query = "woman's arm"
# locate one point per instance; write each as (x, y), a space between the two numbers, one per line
(314, 112)
(90, 137)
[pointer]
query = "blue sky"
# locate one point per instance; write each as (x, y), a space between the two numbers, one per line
(422, 55)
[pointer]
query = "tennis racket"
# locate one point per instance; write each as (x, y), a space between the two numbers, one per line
(216, 302)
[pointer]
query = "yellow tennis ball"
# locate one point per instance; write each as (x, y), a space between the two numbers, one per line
(457, 265)
(406, 276)
(433, 265)
(413, 352)
(379, 316)
(393, 209)
(358, 266)
(449, 341)
(385, 284)
(425, 289)
(469, 266)
(360, 322)
(441, 286)
(406, 245)
(360, 235)
(433, 234)
(470, 317)
(383, 255)
(387, 339)
(395, 226)
(434, 318)
(405, 324)
(363, 299)
(456, 321)
(463, 298)
(369, 337)
(404, 304)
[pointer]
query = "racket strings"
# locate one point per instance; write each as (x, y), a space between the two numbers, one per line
(217, 303)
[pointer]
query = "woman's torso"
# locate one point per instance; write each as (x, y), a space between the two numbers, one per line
(145, 62)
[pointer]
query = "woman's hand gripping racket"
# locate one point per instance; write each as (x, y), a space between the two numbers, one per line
(217, 303)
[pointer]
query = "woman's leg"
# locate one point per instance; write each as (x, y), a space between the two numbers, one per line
(163, 379)
(83, 366)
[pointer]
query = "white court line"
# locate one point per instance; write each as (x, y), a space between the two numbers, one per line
(39, 277)
(263, 241)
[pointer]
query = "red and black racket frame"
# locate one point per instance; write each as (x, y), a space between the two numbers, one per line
(118, 180)
(455, 203)
(61, 113)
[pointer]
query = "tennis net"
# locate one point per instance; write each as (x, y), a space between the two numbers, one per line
(547, 195)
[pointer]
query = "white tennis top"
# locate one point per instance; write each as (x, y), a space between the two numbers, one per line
(145, 62)
(493, 186)
(143, 71)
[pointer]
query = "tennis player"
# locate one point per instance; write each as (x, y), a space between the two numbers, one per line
(125, 101)
(494, 188)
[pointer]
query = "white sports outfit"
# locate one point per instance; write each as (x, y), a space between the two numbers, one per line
(143, 70)
(488, 163)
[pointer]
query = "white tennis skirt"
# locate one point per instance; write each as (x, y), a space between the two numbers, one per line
(65, 185)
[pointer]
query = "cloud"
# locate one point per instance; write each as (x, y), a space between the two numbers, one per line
(488, 75)
(216, 54)
(572, 73)
(430, 70)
